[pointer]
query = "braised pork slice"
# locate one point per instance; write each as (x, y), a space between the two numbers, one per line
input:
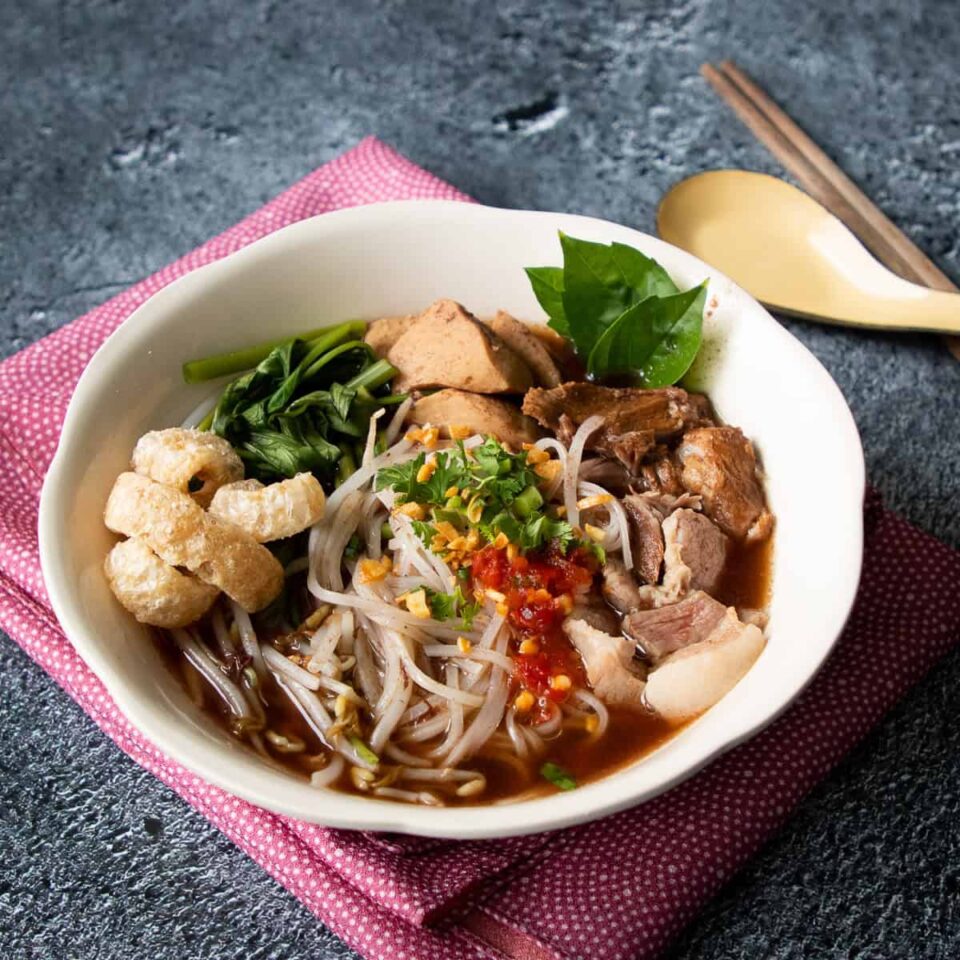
(449, 347)
(661, 472)
(694, 678)
(592, 610)
(719, 464)
(517, 336)
(609, 663)
(646, 535)
(635, 420)
(695, 541)
(663, 630)
(619, 586)
(477, 413)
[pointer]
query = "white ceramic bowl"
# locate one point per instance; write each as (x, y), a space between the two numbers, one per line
(396, 258)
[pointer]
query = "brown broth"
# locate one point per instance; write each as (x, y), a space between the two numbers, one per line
(631, 734)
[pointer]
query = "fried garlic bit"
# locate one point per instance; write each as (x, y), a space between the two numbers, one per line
(152, 590)
(273, 512)
(182, 534)
(184, 459)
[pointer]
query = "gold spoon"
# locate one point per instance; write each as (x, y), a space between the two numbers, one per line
(795, 256)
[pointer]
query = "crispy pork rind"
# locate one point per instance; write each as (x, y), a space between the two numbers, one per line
(152, 590)
(184, 458)
(271, 512)
(179, 531)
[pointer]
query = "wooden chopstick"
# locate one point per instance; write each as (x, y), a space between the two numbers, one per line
(824, 180)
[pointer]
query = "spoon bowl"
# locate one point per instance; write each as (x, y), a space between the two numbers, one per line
(795, 256)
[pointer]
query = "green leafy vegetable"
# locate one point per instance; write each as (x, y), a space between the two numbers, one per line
(625, 316)
(304, 407)
(560, 778)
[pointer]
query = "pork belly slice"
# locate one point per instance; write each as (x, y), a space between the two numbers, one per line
(720, 465)
(611, 669)
(691, 680)
(635, 420)
(664, 630)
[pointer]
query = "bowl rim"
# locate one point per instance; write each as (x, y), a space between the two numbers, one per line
(209, 761)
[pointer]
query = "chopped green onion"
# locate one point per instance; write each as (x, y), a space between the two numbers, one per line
(235, 361)
(560, 778)
(376, 375)
(347, 464)
(363, 751)
(528, 502)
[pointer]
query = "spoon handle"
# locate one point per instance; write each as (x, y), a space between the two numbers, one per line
(825, 181)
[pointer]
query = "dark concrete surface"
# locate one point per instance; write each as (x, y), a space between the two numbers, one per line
(130, 132)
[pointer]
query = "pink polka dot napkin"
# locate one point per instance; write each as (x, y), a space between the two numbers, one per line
(618, 888)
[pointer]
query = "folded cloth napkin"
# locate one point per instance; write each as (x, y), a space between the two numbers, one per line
(617, 888)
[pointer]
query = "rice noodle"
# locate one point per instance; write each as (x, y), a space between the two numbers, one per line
(392, 431)
(431, 567)
(366, 671)
(421, 679)
(389, 719)
(489, 715)
(456, 713)
(426, 730)
(475, 653)
(417, 698)
(571, 468)
(516, 737)
(398, 453)
(593, 703)
(552, 724)
(618, 520)
(385, 614)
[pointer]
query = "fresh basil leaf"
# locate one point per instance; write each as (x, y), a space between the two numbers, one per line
(643, 273)
(655, 340)
(547, 283)
(560, 778)
(595, 292)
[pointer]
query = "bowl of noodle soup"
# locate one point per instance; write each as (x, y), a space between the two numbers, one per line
(389, 260)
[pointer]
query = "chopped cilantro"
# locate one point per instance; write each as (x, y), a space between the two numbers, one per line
(448, 606)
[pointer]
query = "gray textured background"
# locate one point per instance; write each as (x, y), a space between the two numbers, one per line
(130, 132)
